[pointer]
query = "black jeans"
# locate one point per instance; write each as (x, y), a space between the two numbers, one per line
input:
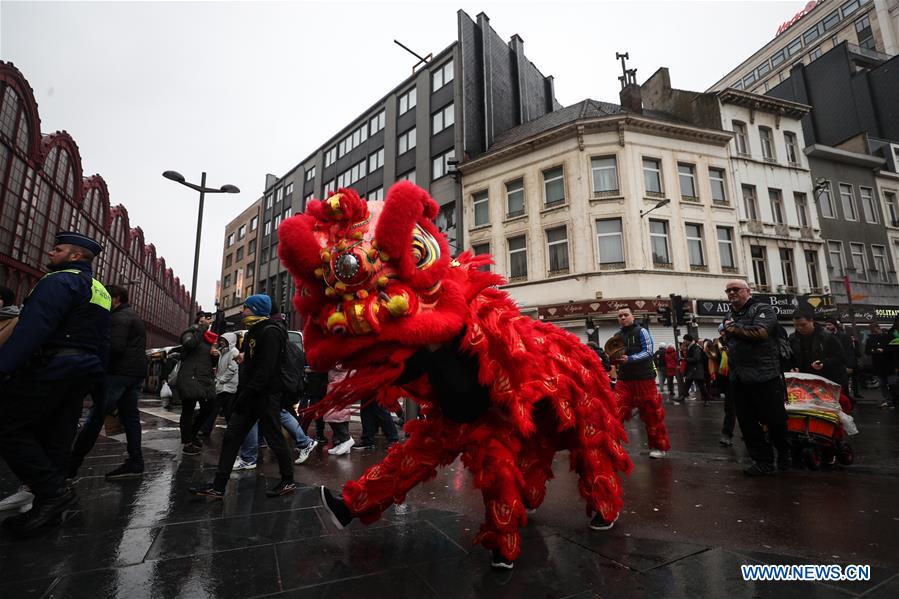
(186, 422)
(266, 410)
(761, 404)
(700, 387)
(38, 420)
(730, 414)
(374, 415)
(116, 393)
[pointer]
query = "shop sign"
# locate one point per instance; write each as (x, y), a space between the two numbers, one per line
(599, 308)
(865, 314)
(809, 7)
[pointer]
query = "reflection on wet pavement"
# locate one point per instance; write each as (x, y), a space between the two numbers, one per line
(689, 522)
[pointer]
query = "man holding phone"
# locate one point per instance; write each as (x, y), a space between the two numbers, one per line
(815, 350)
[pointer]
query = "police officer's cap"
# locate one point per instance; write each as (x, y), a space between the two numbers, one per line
(82, 241)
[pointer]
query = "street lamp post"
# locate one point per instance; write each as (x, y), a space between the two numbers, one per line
(179, 178)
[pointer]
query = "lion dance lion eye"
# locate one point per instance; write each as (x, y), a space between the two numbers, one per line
(425, 249)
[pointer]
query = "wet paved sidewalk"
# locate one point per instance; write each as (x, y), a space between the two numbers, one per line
(690, 521)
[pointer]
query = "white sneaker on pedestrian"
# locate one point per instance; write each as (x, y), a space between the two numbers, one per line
(304, 453)
(239, 464)
(342, 448)
(18, 500)
(657, 453)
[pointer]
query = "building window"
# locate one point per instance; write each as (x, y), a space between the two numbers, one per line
(310, 174)
(306, 200)
(377, 194)
(868, 207)
(557, 249)
(480, 249)
(407, 176)
(274, 254)
(518, 258)
(376, 123)
(890, 198)
(859, 261)
(865, 34)
(759, 265)
(825, 201)
(605, 174)
(719, 191)
(269, 200)
(239, 255)
(442, 76)
(251, 247)
(279, 194)
(811, 267)
(610, 241)
(276, 223)
(752, 205)
(880, 262)
(330, 156)
(849, 212)
(792, 147)
(801, 209)
(694, 244)
(228, 260)
(441, 164)
(658, 239)
(351, 175)
(686, 174)
(726, 247)
(376, 160)
(740, 138)
(652, 176)
(227, 282)
(787, 270)
(288, 189)
(814, 54)
(230, 239)
(254, 222)
(267, 227)
(407, 101)
(329, 187)
(777, 206)
(553, 186)
(835, 252)
(481, 204)
(515, 198)
(443, 118)
(242, 231)
(767, 140)
(406, 141)
(287, 212)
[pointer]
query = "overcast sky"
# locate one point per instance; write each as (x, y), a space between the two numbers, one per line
(244, 89)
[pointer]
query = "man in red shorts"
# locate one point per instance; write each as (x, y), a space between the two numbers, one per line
(636, 386)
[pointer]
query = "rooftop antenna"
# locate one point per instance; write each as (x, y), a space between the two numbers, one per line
(629, 76)
(421, 60)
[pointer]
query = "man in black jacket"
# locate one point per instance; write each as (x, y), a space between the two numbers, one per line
(756, 382)
(121, 389)
(695, 371)
(816, 351)
(196, 381)
(883, 361)
(258, 399)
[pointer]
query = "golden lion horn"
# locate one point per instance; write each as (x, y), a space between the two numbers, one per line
(334, 205)
(398, 305)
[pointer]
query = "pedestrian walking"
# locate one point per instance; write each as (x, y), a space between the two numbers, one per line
(883, 361)
(670, 370)
(658, 358)
(375, 416)
(196, 380)
(756, 382)
(636, 386)
(50, 362)
(815, 350)
(339, 420)
(249, 449)
(259, 397)
(694, 373)
(226, 379)
(121, 389)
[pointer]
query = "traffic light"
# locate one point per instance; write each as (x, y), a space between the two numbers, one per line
(664, 313)
(678, 311)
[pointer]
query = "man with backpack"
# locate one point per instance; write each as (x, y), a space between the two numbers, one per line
(259, 398)
(756, 379)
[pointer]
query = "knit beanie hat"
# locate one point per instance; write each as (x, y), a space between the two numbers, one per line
(260, 304)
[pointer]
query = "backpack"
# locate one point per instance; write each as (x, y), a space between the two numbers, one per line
(292, 366)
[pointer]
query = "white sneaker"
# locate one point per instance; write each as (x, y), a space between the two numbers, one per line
(239, 464)
(303, 454)
(657, 453)
(18, 500)
(343, 448)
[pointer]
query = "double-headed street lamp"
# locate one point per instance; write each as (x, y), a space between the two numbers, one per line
(179, 178)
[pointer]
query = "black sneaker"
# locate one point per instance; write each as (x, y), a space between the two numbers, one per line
(282, 488)
(600, 523)
(191, 449)
(207, 490)
(499, 561)
(725, 441)
(363, 445)
(44, 512)
(759, 469)
(125, 471)
(340, 513)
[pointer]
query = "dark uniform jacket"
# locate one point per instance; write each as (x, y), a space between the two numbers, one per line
(696, 360)
(128, 343)
(883, 363)
(751, 350)
(821, 346)
(63, 329)
(260, 373)
(195, 377)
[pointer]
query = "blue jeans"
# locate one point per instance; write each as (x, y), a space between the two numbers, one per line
(121, 393)
(249, 450)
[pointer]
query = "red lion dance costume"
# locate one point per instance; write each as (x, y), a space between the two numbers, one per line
(378, 287)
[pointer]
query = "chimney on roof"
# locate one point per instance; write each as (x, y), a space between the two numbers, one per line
(631, 98)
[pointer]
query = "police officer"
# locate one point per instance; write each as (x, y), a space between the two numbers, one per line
(54, 356)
